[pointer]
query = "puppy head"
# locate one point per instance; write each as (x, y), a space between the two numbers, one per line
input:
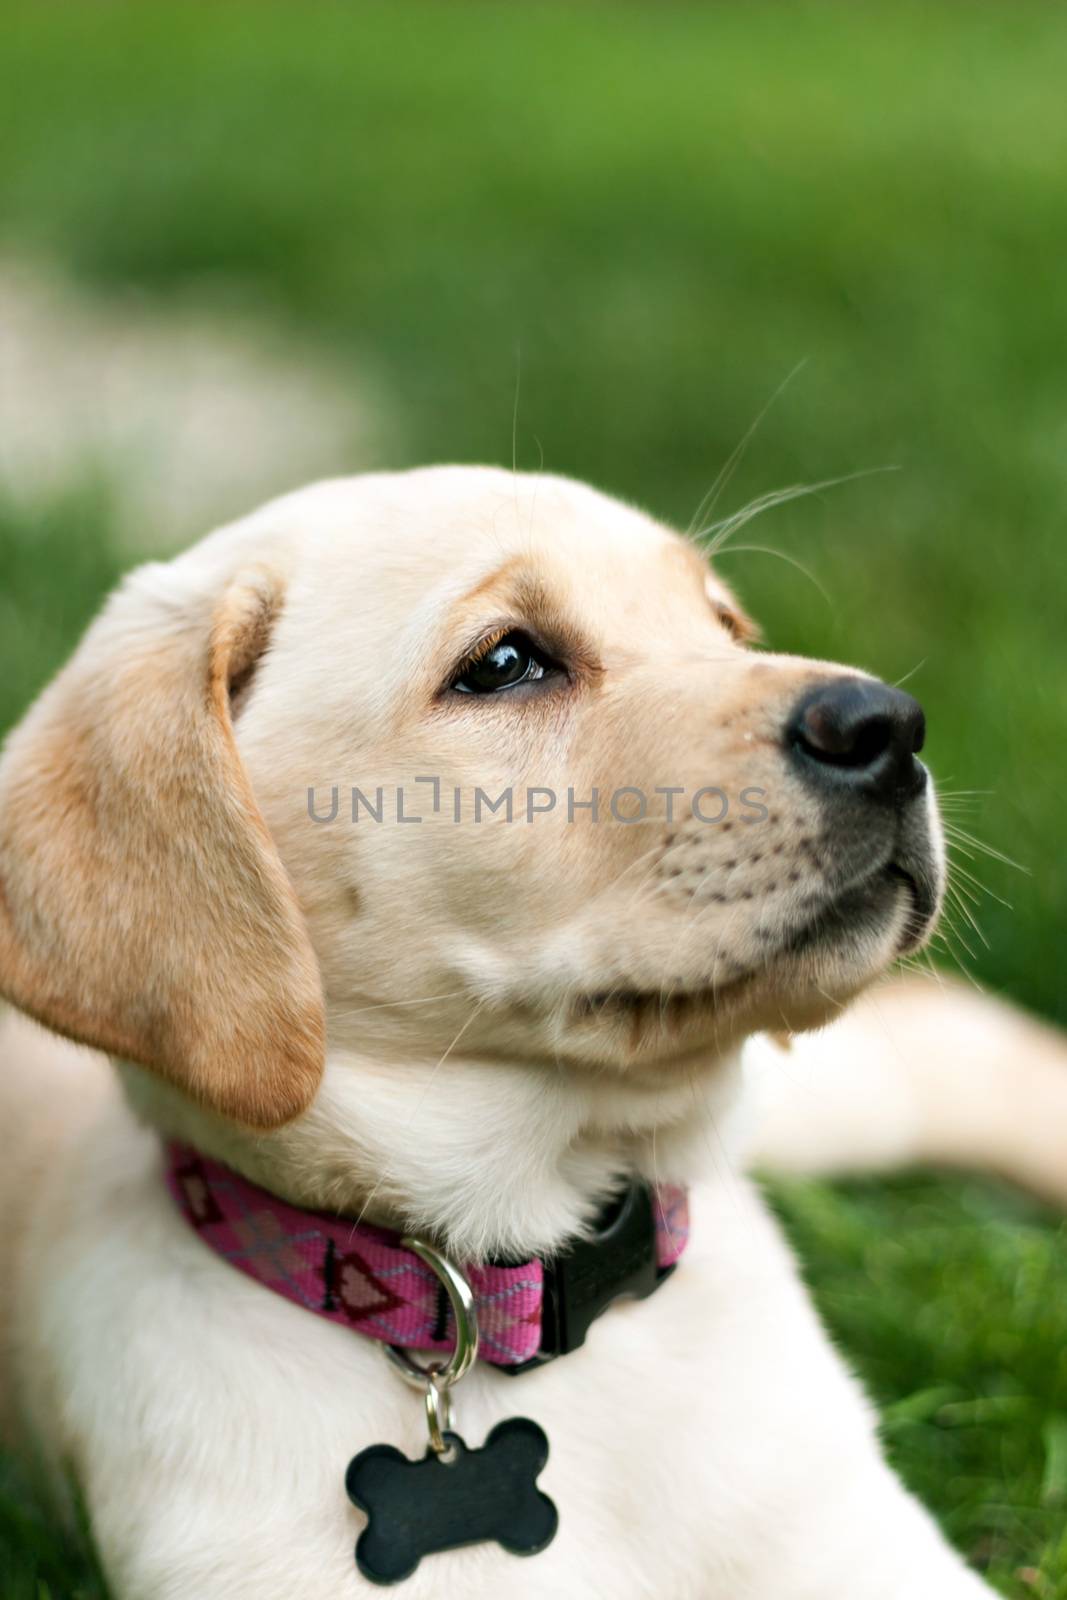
(764, 841)
(498, 752)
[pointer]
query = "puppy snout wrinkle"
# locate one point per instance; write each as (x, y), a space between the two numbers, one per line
(856, 735)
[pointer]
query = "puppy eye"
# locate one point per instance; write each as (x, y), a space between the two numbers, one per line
(504, 663)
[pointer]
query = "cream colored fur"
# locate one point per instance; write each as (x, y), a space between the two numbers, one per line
(706, 1443)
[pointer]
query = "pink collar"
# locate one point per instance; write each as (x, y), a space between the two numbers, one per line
(362, 1277)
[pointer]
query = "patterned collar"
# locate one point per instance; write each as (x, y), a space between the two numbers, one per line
(363, 1277)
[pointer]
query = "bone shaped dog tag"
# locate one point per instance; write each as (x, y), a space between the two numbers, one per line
(415, 1508)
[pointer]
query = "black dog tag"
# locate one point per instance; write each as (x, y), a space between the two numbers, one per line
(417, 1507)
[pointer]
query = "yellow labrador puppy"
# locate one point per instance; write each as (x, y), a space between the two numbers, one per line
(424, 849)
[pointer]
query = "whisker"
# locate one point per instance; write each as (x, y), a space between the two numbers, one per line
(963, 837)
(722, 531)
(957, 962)
(951, 930)
(769, 550)
(965, 889)
(916, 668)
(387, 1171)
(515, 409)
(733, 460)
(960, 871)
(396, 1005)
(965, 910)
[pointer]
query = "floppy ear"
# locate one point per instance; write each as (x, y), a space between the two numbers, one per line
(143, 906)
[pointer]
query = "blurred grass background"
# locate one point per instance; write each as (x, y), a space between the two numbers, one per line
(658, 212)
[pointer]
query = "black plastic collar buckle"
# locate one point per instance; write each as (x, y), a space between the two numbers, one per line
(616, 1261)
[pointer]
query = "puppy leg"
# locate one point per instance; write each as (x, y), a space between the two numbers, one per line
(917, 1071)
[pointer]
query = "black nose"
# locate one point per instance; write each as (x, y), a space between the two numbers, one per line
(858, 734)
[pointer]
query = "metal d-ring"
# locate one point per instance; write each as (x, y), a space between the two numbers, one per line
(437, 1378)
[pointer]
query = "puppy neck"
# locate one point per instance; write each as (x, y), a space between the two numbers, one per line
(492, 1160)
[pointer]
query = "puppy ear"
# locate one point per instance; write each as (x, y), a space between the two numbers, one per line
(143, 906)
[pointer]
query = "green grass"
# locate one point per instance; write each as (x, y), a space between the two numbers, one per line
(57, 560)
(948, 1298)
(37, 1562)
(665, 209)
